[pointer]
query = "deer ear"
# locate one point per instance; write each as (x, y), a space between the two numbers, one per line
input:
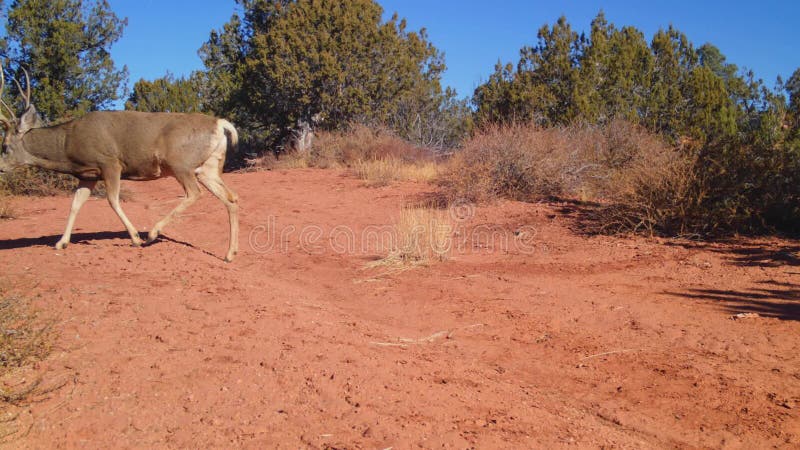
(29, 119)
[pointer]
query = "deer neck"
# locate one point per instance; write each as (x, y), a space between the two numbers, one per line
(47, 149)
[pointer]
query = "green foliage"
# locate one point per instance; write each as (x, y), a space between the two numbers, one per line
(742, 137)
(222, 86)
(329, 62)
(615, 74)
(542, 89)
(64, 45)
(792, 87)
(166, 94)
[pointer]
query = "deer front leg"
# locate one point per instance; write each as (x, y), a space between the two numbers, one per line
(112, 192)
(82, 194)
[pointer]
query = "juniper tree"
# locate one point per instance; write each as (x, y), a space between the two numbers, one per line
(286, 61)
(65, 47)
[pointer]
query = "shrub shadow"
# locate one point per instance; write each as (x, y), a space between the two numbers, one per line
(749, 254)
(774, 299)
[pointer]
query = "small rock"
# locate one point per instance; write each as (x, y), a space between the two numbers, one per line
(745, 316)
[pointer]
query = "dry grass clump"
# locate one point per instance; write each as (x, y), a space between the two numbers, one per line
(267, 161)
(380, 172)
(37, 182)
(6, 210)
(639, 181)
(375, 154)
(25, 338)
(423, 234)
(362, 143)
(32, 181)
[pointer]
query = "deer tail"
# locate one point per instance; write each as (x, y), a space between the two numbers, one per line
(233, 140)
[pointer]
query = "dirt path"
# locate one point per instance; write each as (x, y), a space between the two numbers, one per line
(531, 335)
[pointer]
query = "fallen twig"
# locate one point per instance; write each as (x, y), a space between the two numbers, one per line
(611, 353)
(405, 342)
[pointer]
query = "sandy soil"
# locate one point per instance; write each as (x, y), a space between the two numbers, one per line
(530, 335)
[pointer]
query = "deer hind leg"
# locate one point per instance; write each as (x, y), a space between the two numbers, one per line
(112, 192)
(209, 176)
(82, 194)
(192, 189)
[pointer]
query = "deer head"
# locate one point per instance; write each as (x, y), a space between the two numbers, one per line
(13, 153)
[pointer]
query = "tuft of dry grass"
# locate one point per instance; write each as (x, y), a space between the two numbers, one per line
(32, 181)
(6, 210)
(37, 182)
(358, 144)
(424, 234)
(25, 338)
(381, 172)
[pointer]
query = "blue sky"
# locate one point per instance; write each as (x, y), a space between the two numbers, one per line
(165, 34)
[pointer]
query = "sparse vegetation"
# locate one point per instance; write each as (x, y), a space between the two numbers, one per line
(342, 149)
(32, 181)
(663, 135)
(736, 170)
(36, 182)
(638, 181)
(423, 235)
(25, 338)
(6, 210)
(374, 154)
(380, 172)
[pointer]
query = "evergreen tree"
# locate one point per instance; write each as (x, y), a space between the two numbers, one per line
(166, 94)
(615, 73)
(792, 87)
(223, 56)
(666, 110)
(64, 45)
(493, 100)
(547, 73)
(290, 61)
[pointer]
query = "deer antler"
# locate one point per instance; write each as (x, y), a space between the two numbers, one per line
(27, 95)
(6, 121)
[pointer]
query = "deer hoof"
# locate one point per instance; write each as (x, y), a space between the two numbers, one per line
(61, 245)
(152, 236)
(137, 243)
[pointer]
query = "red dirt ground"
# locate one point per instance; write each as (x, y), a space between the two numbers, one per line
(567, 340)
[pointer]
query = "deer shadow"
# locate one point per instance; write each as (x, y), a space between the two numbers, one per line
(77, 238)
(780, 300)
(86, 238)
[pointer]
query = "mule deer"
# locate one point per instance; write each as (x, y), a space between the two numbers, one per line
(115, 145)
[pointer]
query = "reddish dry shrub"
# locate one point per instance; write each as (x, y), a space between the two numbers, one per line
(333, 149)
(35, 181)
(515, 161)
(640, 182)
(267, 161)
